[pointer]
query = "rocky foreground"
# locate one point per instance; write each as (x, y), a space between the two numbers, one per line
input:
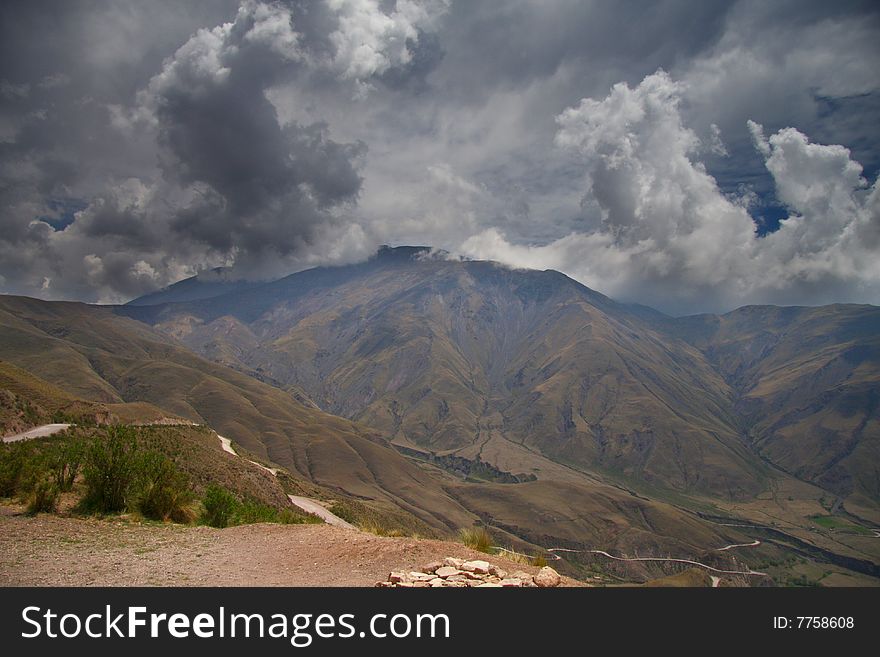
(458, 573)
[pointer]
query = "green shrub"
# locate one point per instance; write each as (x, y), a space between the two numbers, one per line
(43, 498)
(476, 538)
(12, 468)
(248, 512)
(22, 465)
(164, 492)
(539, 560)
(110, 471)
(64, 459)
(219, 505)
(223, 509)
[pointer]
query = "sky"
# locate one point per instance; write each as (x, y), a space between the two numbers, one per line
(691, 156)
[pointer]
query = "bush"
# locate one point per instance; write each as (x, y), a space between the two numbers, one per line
(250, 511)
(476, 538)
(110, 471)
(220, 505)
(164, 492)
(13, 463)
(43, 498)
(63, 460)
(223, 509)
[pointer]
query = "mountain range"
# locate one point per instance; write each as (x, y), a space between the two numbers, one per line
(475, 359)
(451, 392)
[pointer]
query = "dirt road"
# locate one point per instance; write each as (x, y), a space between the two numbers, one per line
(36, 432)
(311, 506)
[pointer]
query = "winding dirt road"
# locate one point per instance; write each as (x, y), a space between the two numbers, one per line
(754, 543)
(226, 445)
(686, 561)
(36, 432)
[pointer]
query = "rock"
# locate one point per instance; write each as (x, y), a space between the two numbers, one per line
(455, 585)
(396, 577)
(436, 582)
(472, 575)
(456, 578)
(474, 582)
(421, 585)
(452, 561)
(547, 578)
(446, 571)
(526, 579)
(486, 585)
(511, 582)
(432, 567)
(405, 585)
(419, 577)
(476, 566)
(498, 572)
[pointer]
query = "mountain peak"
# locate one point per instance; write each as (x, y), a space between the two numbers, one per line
(401, 253)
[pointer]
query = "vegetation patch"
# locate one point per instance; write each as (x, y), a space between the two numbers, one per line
(476, 538)
(223, 509)
(473, 470)
(380, 521)
(837, 523)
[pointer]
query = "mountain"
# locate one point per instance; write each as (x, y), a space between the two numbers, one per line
(60, 351)
(510, 366)
(488, 363)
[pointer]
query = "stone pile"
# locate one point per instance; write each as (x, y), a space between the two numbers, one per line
(458, 573)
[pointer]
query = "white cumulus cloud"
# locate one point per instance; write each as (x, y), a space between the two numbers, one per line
(669, 237)
(369, 41)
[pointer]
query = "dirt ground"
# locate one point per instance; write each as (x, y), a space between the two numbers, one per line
(49, 550)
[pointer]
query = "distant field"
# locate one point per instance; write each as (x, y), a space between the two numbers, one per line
(834, 522)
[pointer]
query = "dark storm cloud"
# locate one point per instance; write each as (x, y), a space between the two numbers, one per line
(272, 186)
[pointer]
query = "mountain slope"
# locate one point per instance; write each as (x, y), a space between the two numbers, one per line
(807, 383)
(93, 354)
